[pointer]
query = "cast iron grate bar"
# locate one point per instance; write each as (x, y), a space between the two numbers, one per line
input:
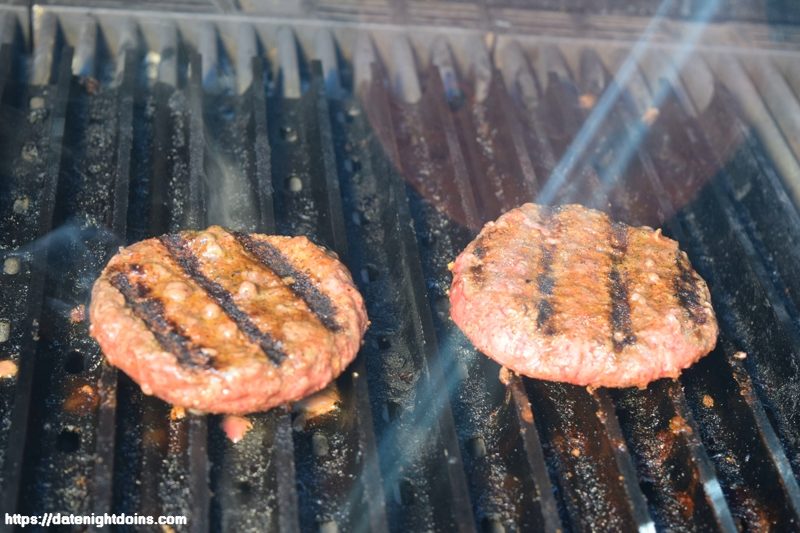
(296, 213)
(249, 490)
(522, 86)
(170, 445)
(341, 110)
(103, 477)
(14, 267)
(502, 117)
(240, 458)
(443, 115)
(145, 434)
(285, 475)
(390, 349)
(458, 486)
(638, 502)
(769, 437)
(568, 109)
(441, 241)
(509, 121)
(196, 217)
(569, 442)
(140, 421)
(763, 222)
(667, 487)
(682, 422)
(365, 490)
(66, 410)
(42, 174)
(418, 469)
(744, 504)
(775, 453)
(326, 451)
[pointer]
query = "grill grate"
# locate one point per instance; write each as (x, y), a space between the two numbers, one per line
(394, 161)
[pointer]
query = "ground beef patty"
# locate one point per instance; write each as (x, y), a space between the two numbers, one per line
(565, 294)
(227, 322)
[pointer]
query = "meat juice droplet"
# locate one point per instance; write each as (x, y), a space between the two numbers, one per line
(5, 330)
(211, 311)
(176, 291)
(212, 251)
(11, 266)
(248, 289)
(8, 369)
(236, 427)
(228, 331)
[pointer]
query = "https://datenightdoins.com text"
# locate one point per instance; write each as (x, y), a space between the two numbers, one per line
(96, 520)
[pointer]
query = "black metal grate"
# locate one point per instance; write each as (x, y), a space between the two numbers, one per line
(115, 129)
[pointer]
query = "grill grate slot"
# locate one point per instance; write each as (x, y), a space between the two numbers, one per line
(426, 468)
(107, 383)
(242, 476)
(196, 215)
(34, 174)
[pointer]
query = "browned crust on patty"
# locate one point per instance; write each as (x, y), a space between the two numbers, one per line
(565, 294)
(227, 323)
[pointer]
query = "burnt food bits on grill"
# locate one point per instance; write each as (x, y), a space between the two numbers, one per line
(565, 294)
(227, 322)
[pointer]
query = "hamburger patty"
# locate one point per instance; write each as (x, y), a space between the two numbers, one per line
(227, 322)
(565, 294)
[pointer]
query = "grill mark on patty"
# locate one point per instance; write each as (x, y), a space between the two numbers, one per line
(545, 279)
(621, 325)
(178, 248)
(686, 289)
(150, 310)
(476, 271)
(480, 248)
(301, 285)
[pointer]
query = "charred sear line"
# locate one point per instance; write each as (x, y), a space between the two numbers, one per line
(179, 250)
(480, 248)
(546, 312)
(621, 325)
(300, 283)
(545, 281)
(150, 310)
(476, 271)
(686, 289)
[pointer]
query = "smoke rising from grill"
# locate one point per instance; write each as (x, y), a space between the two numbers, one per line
(230, 199)
(632, 139)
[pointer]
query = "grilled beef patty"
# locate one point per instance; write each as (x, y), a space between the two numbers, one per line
(227, 322)
(565, 294)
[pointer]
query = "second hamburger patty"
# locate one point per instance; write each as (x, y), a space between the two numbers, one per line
(565, 294)
(227, 322)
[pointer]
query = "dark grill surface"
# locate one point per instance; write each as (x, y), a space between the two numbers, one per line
(393, 150)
